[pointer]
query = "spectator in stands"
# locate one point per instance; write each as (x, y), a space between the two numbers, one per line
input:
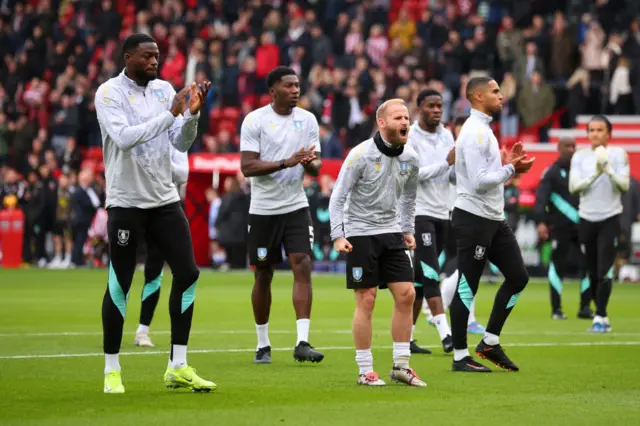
(561, 62)
(330, 143)
(620, 92)
(71, 158)
(528, 63)
(5, 133)
(64, 123)
(509, 115)
(62, 238)
(403, 29)
(84, 204)
(510, 43)
(535, 102)
(231, 223)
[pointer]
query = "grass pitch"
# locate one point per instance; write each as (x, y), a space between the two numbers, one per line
(51, 362)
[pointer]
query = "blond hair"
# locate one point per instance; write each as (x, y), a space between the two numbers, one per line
(382, 109)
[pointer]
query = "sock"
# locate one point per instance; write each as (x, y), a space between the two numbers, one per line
(263, 335)
(605, 320)
(413, 329)
(364, 359)
(459, 354)
(142, 329)
(472, 312)
(442, 325)
(178, 356)
(302, 325)
(448, 289)
(598, 319)
(219, 258)
(491, 339)
(111, 363)
(401, 354)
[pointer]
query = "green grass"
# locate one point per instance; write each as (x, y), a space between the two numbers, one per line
(567, 375)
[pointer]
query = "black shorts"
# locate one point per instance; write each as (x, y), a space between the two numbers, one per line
(377, 260)
(62, 228)
(267, 235)
(431, 236)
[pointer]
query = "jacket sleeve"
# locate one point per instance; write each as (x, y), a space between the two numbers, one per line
(113, 119)
(348, 177)
(577, 181)
(542, 197)
(477, 155)
(408, 203)
(180, 166)
(184, 129)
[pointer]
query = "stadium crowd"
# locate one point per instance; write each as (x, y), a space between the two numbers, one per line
(350, 55)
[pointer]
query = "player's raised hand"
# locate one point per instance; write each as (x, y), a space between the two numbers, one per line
(451, 157)
(312, 156)
(198, 95)
(410, 240)
(524, 165)
(503, 156)
(341, 245)
(179, 100)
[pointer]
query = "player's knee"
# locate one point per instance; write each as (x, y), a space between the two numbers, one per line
(301, 266)
(520, 279)
(431, 289)
(366, 300)
(405, 296)
(264, 275)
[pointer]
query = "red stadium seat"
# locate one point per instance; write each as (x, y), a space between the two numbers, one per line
(264, 100)
(230, 113)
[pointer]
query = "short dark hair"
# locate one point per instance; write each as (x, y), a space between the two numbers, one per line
(474, 84)
(425, 94)
(602, 118)
(277, 73)
(132, 42)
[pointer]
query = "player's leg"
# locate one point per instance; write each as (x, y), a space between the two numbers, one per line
(178, 252)
(432, 283)
(557, 269)
(396, 272)
(153, 267)
(505, 254)
(474, 236)
(607, 242)
(586, 294)
(588, 235)
(265, 239)
(57, 245)
(125, 230)
(417, 307)
(298, 244)
(363, 279)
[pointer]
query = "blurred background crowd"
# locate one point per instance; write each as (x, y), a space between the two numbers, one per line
(563, 57)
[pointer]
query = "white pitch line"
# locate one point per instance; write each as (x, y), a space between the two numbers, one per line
(251, 332)
(329, 348)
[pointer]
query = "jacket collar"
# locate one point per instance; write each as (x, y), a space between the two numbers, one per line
(481, 115)
(386, 150)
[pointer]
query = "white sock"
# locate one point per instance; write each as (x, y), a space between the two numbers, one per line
(605, 320)
(364, 359)
(413, 329)
(442, 325)
(219, 258)
(401, 354)
(302, 325)
(263, 335)
(448, 289)
(491, 339)
(598, 320)
(472, 312)
(459, 354)
(179, 356)
(111, 363)
(142, 329)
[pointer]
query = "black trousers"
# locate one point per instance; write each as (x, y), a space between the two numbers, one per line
(167, 228)
(431, 237)
(565, 245)
(153, 272)
(599, 240)
(479, 240)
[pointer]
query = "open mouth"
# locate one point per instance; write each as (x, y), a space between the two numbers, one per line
(403, 132)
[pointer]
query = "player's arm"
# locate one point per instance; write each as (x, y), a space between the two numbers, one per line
(312, 168)
(619, 172)
(542, 198)
(347, 178)
(577, 181)
(477, 154)
(185, 127)
(180, 167)
(408, 203)
(113, 118)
